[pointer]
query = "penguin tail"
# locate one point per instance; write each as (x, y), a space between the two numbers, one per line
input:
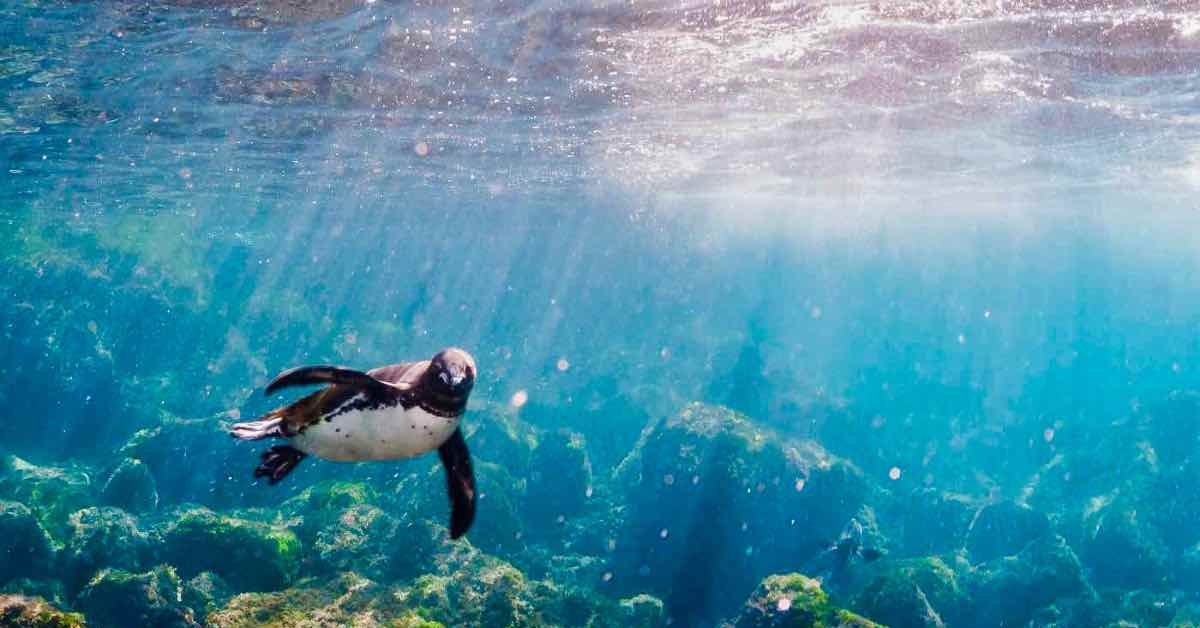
(270, 425)
(277, 462)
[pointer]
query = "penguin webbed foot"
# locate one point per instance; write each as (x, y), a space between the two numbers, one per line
(277, 462)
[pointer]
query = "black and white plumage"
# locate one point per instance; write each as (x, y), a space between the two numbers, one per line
(388, 413)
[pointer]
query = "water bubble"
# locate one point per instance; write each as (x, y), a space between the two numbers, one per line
(815, 312)
(561, 519)
(563, 364)
(750, 550)
(1048, 435)
(612, 544)
(421, 149)
(644, 570)
(668, 479)
(784, 604)
(962, 339)
(894, 473)
(588, 492)
(695, 479)
(607, 576)
(663, 533)
(800, 485)
(519, 398)
(664, 353)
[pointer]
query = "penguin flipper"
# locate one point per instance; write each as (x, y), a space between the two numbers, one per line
(460, 483)
(325, 374)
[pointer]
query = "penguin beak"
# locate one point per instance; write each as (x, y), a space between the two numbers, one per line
(457, 378)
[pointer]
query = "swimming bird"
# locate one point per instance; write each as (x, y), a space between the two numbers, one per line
(387, 413)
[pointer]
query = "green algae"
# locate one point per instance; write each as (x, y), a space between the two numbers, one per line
(251, 556)
(19, 611)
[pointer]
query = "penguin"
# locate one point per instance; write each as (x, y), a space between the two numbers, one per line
(387, 413)
(836, 558)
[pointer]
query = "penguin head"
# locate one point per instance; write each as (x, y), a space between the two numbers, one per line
(452, 372)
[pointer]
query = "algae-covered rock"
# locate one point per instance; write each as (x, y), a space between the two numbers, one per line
(917, 593)
(19, 611)
(1003, 529)
(251, 556)
(104, 537)
(206, 593)
(794, 601)
(377, 545)
(934, 521)
(708, 491)
(323, 503)
(1010, 590)
(119, 599)
(1119, 547)
(560, 480)
(348, 600)
(131, 486)
(642, 611)
(193, 460)
(25, 548)
(52, 493)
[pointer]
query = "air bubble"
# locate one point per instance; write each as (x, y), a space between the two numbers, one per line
(894, 473)
(563, 364)
(519, 398)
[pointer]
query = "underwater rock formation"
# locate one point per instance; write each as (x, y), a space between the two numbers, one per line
(933, 521)
(249, 555)
(206, 593)
(1010, 590)
(19, 611)
(709, 491)
(52, 493)
(118, 599)
(131, 486)
(794, 601)
(916, 593)
(1003, 529)
(104, 537)
(25, 548)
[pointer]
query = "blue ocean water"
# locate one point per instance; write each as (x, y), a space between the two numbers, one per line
(742, 279)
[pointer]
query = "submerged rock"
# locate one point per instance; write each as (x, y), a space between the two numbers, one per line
(1120, 549)
(119, 599)
(251, 556)
(131, 486)
(917, 593)
(104, 537)
(1010, 590)
(1003, 529)
(52, 493)
(348, 600)
(206, 593)
(25, 548)
(377, 545)
(642, 611)
(19, 611)
(794, 601)
(933, 521)
(560, 481)
(708, 491)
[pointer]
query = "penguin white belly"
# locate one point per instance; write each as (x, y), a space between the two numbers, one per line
(378, 434)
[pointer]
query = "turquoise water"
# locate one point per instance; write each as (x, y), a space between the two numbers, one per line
(930, 269)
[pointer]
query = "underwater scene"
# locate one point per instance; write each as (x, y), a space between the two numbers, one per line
(612, 314)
